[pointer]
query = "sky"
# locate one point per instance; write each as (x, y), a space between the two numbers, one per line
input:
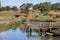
(20, 2)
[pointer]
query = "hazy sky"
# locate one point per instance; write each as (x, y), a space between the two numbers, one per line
(20, 2)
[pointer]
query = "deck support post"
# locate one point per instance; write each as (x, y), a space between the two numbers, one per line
(43, 32)
(30, 32)
(50, 29)
(40, 32)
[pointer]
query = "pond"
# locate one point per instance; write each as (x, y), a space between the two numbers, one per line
(15, 35)
(19, 33)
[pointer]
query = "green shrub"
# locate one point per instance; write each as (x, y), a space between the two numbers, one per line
(45, 18)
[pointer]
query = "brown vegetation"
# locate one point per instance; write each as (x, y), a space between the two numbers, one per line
(9, 13)
(7, 22)
(54, 14)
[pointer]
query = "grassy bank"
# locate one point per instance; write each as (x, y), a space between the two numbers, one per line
(10, 19)
(42, 17)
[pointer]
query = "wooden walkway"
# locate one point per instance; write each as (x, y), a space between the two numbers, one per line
(44, 24)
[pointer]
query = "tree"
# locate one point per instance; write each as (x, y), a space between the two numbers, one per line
(7, 8)
(46, 6)
(55, 6)
(14, 8)
(36, 6)
(24, 8)
(2, 9)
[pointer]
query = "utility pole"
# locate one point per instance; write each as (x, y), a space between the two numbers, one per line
(0, 4)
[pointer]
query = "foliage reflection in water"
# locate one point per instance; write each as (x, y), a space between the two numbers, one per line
(19, 32)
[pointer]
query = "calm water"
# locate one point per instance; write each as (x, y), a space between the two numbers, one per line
(19, 33)
(15, 35)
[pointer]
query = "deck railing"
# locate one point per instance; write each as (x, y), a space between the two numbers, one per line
(46, 24)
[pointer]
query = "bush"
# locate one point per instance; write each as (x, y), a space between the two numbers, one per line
(45, 18)
(2, 9)
(14, 8)
(24, 10)
(7, 8)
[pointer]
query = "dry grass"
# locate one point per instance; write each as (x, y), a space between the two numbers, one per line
(54, 12)
(7, 22)
(8, 13)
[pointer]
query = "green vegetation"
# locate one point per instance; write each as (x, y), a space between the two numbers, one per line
(12, 26)
(12, 18)
(41, 9)
(56, 6)
(46, 6)
(44, 18)
(7, 8)
(14, 8)
(24, 8)
(40, 12)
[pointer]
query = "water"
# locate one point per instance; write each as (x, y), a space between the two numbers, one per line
(18, 33)
(15, 35)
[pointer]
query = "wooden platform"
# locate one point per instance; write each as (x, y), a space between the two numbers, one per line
(44, 24)
(36, 36)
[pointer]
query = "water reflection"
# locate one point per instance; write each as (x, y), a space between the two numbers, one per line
(41, 38)
(3, 35)
(20, 33)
